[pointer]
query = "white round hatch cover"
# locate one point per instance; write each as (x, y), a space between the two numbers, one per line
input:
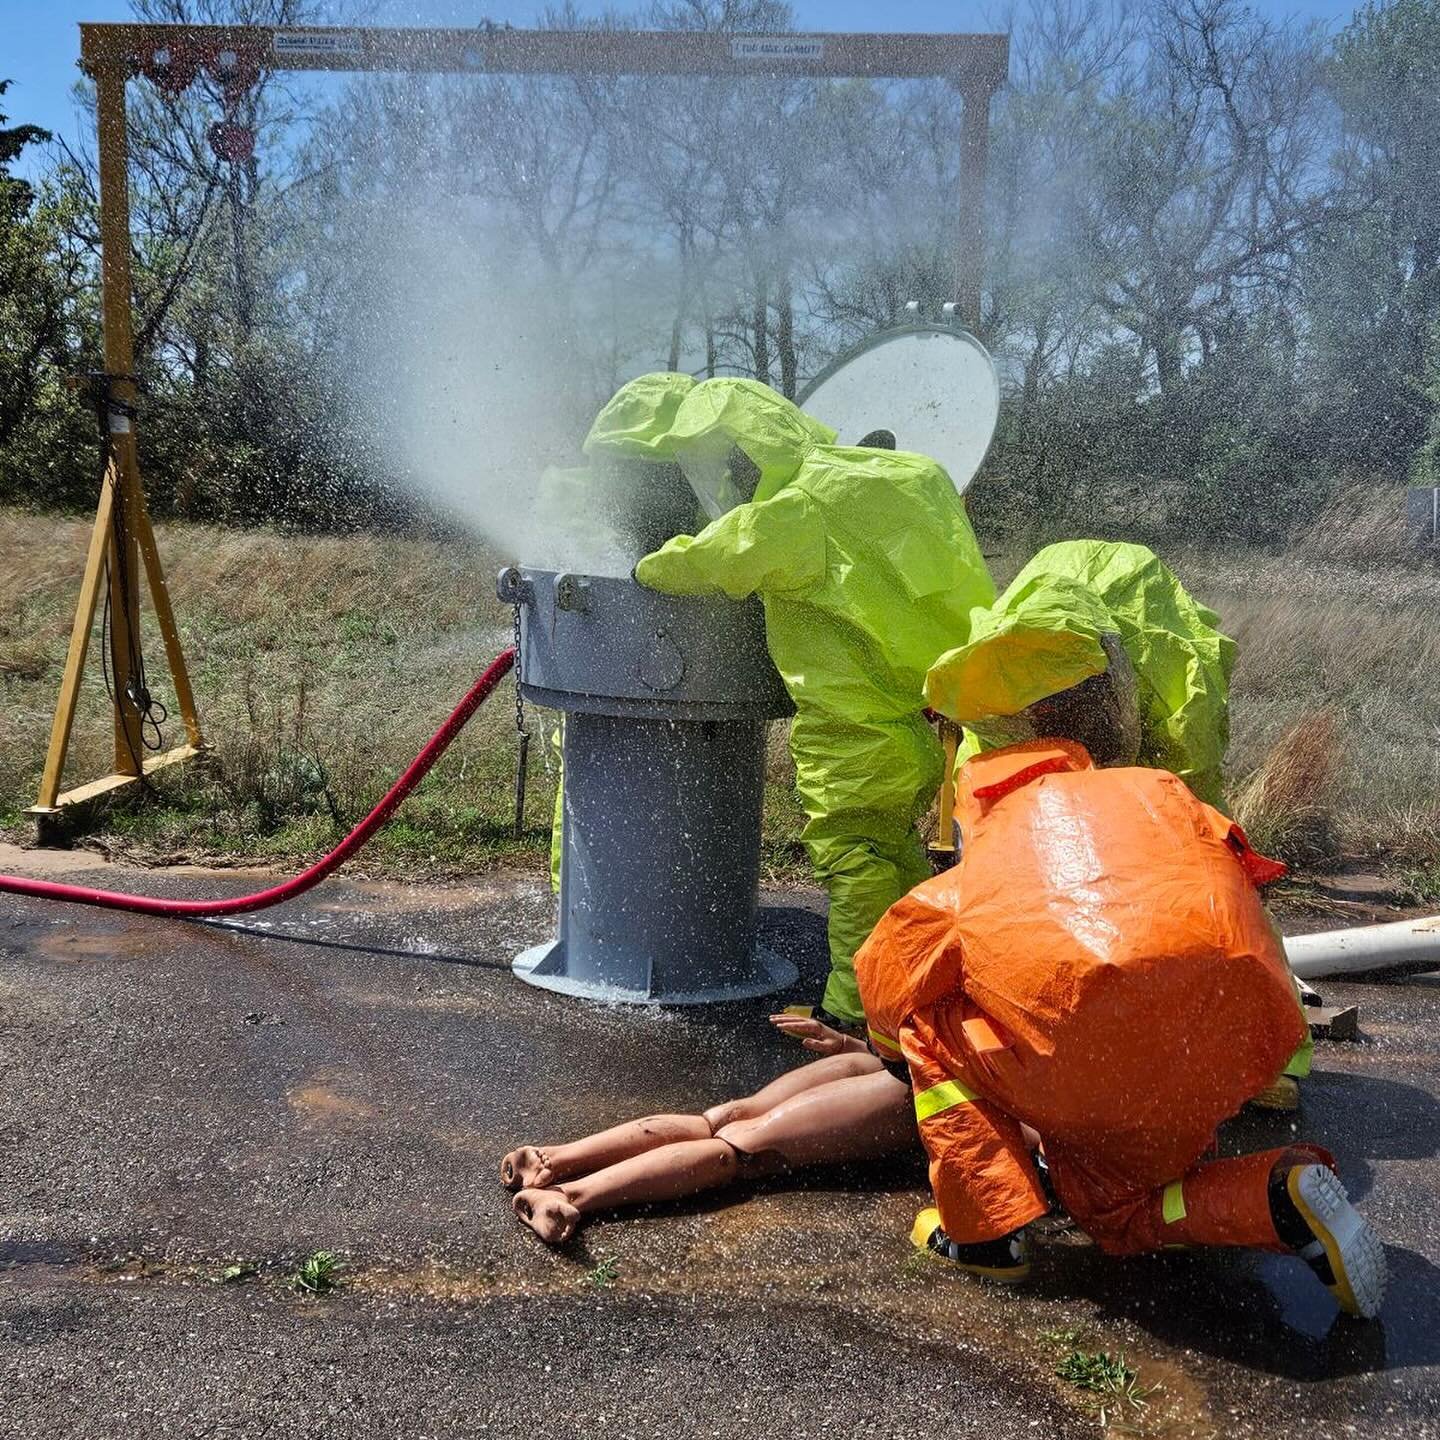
(935, 387)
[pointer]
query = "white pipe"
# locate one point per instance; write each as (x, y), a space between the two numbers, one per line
(1412, 945)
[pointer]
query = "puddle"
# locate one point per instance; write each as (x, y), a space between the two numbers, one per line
(16, 1253)
(77, 945)
(27, 1264)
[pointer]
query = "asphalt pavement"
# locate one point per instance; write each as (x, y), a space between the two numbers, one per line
(344, 1072)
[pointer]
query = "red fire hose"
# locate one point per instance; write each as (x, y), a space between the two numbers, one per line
(150, 905)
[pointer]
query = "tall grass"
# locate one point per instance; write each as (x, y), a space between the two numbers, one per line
(322, 664)
(1336, 700)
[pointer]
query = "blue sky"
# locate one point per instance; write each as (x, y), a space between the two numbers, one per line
(39, 40)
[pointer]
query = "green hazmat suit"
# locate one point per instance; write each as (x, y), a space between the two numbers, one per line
(1042, 636)
(868, 570)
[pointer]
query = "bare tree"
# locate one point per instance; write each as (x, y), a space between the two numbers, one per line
(1206, 177)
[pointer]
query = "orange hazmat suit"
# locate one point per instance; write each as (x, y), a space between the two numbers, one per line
(1098, 966)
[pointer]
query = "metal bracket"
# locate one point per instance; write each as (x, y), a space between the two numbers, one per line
(512, 588)
(572, 593)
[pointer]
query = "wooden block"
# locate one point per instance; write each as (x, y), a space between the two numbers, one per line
(96, 788)
(1330, 1023)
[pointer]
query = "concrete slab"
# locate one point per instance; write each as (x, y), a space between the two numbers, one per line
(345, 1072)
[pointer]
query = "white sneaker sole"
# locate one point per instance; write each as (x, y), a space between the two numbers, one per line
(1356, 1255)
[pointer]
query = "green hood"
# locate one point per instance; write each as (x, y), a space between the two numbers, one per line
(776, 434)
(639, 418)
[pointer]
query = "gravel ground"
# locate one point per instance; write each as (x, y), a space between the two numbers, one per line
(345, 1072)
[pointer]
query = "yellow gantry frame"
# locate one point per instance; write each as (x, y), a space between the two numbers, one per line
(120, 497)
(111, 54)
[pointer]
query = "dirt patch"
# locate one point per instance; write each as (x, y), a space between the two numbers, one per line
(22, 860)
(322, 1101)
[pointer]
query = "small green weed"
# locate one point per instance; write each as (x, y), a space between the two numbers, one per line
(317, 1275)
(234, 1274)
(914, 1265)
(1421, 883)
(1067, 1339)
(604, 1274)
(1108, 1377)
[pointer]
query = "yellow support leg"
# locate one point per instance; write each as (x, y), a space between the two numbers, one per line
(47, 800)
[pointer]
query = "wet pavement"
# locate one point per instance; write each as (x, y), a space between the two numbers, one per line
(345, 1071)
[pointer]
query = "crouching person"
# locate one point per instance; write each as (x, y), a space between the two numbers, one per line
(1099, 967)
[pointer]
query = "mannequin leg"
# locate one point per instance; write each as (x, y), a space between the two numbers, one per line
(856, 1117)
(860, 1117)
(537, 1167)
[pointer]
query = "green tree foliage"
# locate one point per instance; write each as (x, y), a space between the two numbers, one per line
(1427, 458)
(43, 433)
(1374, 285)
(1213, 279)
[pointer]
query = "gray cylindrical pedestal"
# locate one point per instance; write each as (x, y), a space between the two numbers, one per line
(666, 703)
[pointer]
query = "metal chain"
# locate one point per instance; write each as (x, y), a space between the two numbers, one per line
(519, 698)
(522, 738)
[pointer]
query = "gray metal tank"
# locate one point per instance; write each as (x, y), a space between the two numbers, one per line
(666, 704)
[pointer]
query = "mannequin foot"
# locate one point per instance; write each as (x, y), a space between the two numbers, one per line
(527, 1168)
(548, 1213)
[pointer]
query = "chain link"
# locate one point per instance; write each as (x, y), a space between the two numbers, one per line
(519, 698)
(522, 737)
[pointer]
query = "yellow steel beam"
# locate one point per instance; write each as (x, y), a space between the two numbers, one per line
(64, 720)
(121, 498)
(964, 58)
(974, 154)
(119, 363)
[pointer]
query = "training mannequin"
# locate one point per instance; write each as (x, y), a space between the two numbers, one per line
(844, 1107)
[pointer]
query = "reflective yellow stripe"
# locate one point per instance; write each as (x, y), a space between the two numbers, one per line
(886, 1043)
(944, 1096)
(1173, 1205)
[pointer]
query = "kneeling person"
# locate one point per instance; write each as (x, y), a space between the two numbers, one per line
(1099, 967)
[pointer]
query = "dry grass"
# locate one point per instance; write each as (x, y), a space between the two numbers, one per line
(1363, 524)
(1344, 626)
(322, 664)
(320, 667)
(1284, 803)
(1360, 643)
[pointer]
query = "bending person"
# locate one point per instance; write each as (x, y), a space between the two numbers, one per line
(1182, 661)
(1045, 635)
(868, 570)
(845, 1107)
